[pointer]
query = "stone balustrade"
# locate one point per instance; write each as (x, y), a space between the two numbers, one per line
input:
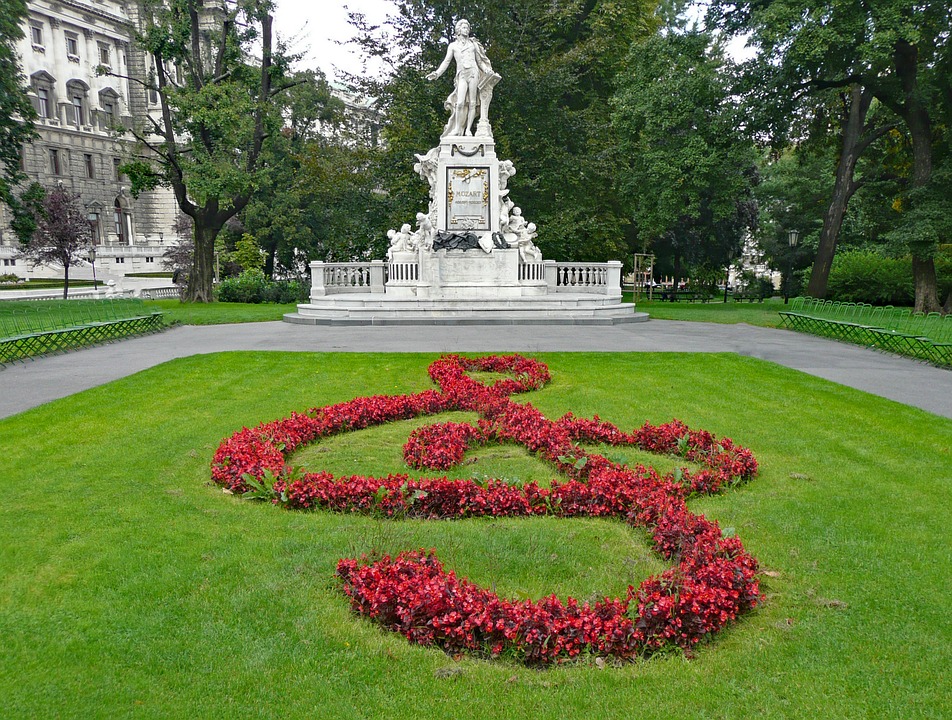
(348, 277)
(531, 271)
(584, 277)
(375, 276)
(403, 273)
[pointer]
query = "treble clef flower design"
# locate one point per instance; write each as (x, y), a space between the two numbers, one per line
(712, 581)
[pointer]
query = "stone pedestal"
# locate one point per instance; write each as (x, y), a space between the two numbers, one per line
(467, 185)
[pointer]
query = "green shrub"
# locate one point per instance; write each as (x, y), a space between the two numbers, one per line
(943, 271)
(865, 276)
(248, 287)
(252, 286)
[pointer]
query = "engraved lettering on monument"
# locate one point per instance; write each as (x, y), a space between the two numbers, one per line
(467, 198)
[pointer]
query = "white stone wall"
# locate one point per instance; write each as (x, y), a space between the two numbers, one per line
(64, 44)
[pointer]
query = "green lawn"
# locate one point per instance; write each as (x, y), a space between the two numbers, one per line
(218, 313)
(765, 314)
(46, 284)
(132, 587)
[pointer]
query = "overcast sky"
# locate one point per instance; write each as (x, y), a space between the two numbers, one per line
(312, 26)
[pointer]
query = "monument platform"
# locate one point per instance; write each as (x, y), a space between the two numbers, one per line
(369, 309)
(403, 292)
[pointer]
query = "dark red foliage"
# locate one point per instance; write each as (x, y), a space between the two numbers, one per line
(713, 580)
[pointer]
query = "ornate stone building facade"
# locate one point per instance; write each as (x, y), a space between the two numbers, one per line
(65, 43)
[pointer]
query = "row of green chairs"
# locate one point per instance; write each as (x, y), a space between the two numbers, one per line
(898, 330)
(27, 331)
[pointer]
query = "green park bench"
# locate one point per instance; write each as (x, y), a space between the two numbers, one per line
(750, 297)
(898, 330)
(685, 296)
(27, 332)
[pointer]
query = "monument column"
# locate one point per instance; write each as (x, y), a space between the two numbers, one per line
(467, 185)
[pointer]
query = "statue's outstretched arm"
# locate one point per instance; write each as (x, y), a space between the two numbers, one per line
(443, 65)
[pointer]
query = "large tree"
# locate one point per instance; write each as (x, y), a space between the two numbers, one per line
(689, 168)
(62, 236)
(319, 197)
(16, 114)
(549, 113)
(218, 108)
(856, 134)
(897, 50)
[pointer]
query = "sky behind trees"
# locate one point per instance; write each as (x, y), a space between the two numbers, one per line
(313, 27)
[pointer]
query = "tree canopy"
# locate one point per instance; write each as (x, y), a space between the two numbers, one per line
(218, 108)
(897, 51)
(687, 167)
(62, 236)
(16, 115)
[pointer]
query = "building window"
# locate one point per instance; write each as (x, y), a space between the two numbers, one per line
(43, 100)
(89, 165)
(117, 174)
(120, 260)
(72, 47)
(149, 259)
(44, 108)
(36, 35)
(108, 101)
(93, 218)
(76, 109)
(104, 54)
(153, 84)
(122, 219)
(55, 167)
(76, 91)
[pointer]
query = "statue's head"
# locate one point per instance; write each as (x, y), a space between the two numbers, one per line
(462, 22)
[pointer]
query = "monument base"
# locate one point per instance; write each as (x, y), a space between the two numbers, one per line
(451, 287)
(370, 309)
(463, 274)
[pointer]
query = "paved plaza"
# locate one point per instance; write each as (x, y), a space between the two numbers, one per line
(26, 385)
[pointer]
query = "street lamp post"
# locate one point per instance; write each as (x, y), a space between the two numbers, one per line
(92, 259)
(93, 218)
(793, 236)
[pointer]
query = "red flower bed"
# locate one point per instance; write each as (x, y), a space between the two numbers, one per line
(712, 582)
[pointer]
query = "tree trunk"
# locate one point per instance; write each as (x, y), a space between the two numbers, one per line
(269, 263)
(915, 113)
(843, 189)
(923, 273)
(65, 280)
(203, 263)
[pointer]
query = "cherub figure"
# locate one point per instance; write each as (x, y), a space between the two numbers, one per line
(399, 241)
(425, 235)
(426, 167)
(506, 171)
(515, 226)
(528, 251)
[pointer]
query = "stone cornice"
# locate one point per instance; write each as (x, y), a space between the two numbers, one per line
(84, 8)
